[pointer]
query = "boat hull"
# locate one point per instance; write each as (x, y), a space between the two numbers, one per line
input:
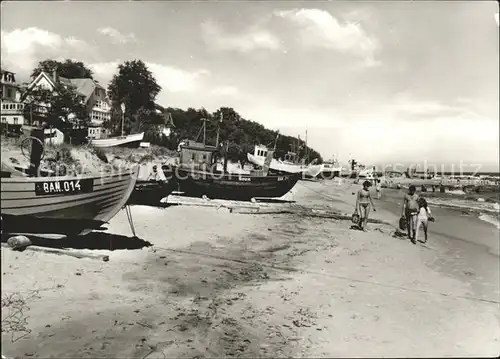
(100, 200)
(150, 193)
(122, 141)
(240, 187)
(309, 171)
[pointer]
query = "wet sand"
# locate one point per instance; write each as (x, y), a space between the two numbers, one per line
(220, 284)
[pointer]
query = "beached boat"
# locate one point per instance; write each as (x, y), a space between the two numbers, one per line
(330, 169)
(128, 141)
(197, 175)
(239, 187)
(288, 165)
(62, 205)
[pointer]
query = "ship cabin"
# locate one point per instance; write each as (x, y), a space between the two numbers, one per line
(290, 157)
(197, 156)
(260, 151)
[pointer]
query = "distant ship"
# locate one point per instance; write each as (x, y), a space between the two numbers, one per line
(289, 165)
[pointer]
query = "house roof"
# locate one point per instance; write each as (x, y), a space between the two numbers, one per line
(84, 87)
(39, 77)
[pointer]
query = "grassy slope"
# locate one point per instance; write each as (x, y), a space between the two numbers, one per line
(86, 160)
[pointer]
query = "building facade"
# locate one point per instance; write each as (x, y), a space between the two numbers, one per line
(12, 108)
(93, 96)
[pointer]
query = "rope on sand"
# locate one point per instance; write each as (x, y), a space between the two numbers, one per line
(318, 192)
(288, 269)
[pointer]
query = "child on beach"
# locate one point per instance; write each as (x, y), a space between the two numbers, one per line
(363, 202)
(410, 211)
(423, 218)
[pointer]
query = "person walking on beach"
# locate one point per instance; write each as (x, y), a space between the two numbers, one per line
(423, 218)
(363, 202)
(410, 211)
(378, 187)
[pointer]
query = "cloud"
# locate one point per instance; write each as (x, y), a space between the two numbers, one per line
(247, 41)
(318, 28)
(225, 91)
(177, 80)
(169, 78)
(116, 36)
(23, 48)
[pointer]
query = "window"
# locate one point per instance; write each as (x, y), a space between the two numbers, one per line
(15, 121)
(9, 93)
(4, 119)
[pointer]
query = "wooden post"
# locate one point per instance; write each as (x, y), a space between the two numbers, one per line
(123, 120)
(218, 129)
(225, 157)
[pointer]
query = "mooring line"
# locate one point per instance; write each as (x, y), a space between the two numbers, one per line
(287, 269)
(242, 261)
(318, 192)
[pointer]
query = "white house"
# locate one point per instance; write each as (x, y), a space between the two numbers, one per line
(94, 96)
(11, 106)
(53, 136)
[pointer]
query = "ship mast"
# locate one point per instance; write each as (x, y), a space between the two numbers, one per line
(218, 130)
(204, 120)
(307, 150)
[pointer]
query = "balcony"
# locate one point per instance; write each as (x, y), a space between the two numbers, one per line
(12, 108)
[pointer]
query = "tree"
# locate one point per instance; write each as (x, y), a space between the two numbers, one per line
(69, 69)
(135, 86)
(61, 107)
(242, 134)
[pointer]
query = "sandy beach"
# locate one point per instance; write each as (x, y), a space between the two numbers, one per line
(217, 284)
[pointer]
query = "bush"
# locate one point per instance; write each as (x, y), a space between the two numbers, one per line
(100, 153)
(146, 158)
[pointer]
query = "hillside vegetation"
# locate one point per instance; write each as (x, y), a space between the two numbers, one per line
(242, 134)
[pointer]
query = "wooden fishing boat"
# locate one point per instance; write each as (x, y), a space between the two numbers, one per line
(196, 175)
(231, 186)
(128, 141)
(62, 205)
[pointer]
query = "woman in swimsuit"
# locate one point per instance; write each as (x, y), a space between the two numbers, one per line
(363, 202)
(409, 212)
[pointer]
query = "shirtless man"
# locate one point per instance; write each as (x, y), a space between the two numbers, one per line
(410, 212)
(363, 202)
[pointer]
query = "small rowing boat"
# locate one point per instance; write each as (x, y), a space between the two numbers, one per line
(128, 140)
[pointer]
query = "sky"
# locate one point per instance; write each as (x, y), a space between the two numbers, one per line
(383, 82)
